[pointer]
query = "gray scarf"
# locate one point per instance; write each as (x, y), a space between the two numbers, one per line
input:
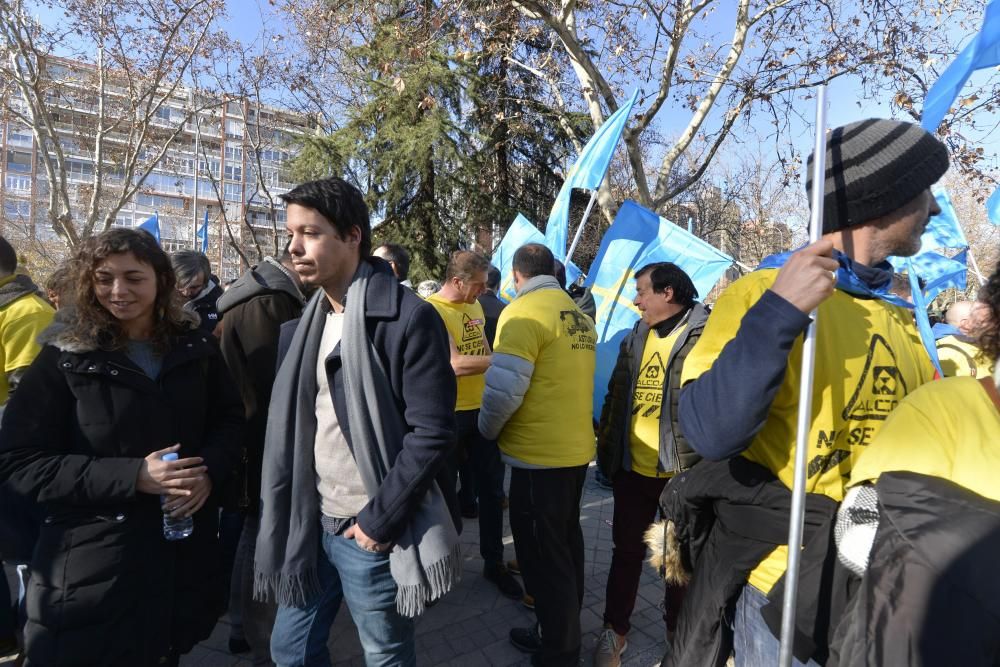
(426, 558)
(539, 282)
(20, 286)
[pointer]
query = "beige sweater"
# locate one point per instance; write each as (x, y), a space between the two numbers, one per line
(341, 491)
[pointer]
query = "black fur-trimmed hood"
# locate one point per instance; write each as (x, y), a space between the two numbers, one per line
(65, 334)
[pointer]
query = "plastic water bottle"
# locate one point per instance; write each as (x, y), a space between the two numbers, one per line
(175, 529)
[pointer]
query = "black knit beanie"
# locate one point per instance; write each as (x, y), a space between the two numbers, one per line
(874, 167)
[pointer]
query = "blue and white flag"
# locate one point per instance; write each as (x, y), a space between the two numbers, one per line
(993, 207)
(587, 173)
(944, 230)
(521, 232)
(939, 272)
(203, 234)
(923, 321)
(636, 238)
(982, 52)
(152, 226)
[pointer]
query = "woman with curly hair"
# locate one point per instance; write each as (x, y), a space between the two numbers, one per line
(123, 378)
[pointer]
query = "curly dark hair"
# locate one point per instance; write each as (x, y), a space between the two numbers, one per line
(93, 322)
(989, 295)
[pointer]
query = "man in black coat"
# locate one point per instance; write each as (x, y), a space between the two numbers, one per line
(492, 306)
(198, 286)
(255, 307)
(329, 523)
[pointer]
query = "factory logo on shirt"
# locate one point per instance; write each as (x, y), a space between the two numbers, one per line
(578, 326)
(648, 395)
(879, 390)
(881, 386)
(472, 336)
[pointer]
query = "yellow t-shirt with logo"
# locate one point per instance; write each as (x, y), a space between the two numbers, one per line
(949, 429)
(21, 321)
(959, 357)
(466, 324)
(553, 427)
(868, 357)
(647, 402)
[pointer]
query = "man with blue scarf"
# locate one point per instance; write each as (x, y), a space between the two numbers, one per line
(739, 400)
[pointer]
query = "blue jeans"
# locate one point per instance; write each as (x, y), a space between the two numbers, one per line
(362, 578)
(753, 643)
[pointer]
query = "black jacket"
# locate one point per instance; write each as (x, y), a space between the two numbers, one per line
(930, 595)
(206, 310)
(616, 415)
(492, 307)
(106, 587)
(255, 307)
(584, 300)
(728, 515)
(412, 344)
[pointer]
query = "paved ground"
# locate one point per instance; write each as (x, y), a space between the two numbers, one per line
(469, 627)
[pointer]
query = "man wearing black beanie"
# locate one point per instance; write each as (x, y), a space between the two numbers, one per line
(741, 381)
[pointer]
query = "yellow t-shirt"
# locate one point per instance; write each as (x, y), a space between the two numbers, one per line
(949, 429)
(868, 357)
(21, 321)
(553, 427)
(644, 440)
(466, 324)
(959, 357)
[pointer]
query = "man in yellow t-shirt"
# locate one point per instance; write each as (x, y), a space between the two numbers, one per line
(24, 314)
(741, 381)
(955, 340)
(475, 456)
(538, 398)
(639, 444)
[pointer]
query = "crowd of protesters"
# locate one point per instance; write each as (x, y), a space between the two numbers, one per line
(321, 433)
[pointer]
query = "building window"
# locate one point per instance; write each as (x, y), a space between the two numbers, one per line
(18, 183)
(16, 210)
(233, 192)
(78, 169)
(158, 202)
(234, 173)
(19, 136)
(213, 165)
(19, 162)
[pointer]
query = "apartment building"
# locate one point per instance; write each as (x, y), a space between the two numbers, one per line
(230, 158)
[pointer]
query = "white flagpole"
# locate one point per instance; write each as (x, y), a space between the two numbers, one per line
(975, 266)
(797, 518)
(579, 230)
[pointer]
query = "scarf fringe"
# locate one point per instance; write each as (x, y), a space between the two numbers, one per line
(411, 601)
(286, 590)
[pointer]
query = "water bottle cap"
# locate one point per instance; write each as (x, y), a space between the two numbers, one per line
(172, 456)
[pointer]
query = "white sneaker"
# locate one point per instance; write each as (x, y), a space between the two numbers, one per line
(610, 649)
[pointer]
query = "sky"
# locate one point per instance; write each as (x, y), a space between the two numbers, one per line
(846, 102)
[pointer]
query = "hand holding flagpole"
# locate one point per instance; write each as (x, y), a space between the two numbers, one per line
(796, 520)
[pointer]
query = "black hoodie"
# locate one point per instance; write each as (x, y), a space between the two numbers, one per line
(255, 307)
